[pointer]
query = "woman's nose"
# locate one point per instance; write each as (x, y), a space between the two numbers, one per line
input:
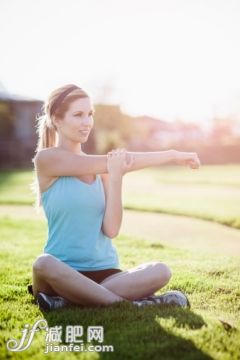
(87, 121)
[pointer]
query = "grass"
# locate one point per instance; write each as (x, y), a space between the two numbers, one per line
(210, 193)
(209, 330)
(15, 187)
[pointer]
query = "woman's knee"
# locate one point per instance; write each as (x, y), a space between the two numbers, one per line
(42, 263)
(163, 273)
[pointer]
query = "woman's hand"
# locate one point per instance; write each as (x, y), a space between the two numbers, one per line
(187, 158)
(119, 161)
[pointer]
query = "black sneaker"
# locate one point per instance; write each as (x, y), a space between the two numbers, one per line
(172, 297)
(47, 302)
(30, 289)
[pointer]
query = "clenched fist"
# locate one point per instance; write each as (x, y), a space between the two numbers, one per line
(187, 158)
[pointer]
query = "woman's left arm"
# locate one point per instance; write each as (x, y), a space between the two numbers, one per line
(117, 164)
(113, 211)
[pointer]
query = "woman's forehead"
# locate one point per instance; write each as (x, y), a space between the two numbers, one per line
(82, 104)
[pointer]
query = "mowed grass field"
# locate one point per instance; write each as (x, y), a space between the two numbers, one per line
(210, 193)
(209, 330)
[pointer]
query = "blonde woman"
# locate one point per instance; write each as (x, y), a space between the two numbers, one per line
(81, 196)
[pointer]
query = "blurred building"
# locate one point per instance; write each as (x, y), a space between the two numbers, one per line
(17, 129)
(156, 134)
(18, 137)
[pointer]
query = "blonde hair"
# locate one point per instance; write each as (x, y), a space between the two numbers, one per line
(46, 128)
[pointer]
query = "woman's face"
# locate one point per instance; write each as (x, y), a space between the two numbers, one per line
(78, 120)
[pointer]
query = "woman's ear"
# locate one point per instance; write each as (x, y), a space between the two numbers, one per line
(55, 122)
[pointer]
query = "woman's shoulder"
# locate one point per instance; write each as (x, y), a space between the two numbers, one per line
(45, 162)
(42, 153)
(44, 180)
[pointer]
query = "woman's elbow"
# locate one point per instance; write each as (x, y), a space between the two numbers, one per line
(111, 233)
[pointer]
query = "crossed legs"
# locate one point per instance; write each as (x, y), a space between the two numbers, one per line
(54, 277)
(140, 281)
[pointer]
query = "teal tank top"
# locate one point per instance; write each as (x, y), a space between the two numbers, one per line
(75, 211)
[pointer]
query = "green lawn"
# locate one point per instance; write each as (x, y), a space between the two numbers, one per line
(209, 330)
(15, 187)
(210, 193)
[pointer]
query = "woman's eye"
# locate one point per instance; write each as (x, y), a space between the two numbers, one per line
(82, 114)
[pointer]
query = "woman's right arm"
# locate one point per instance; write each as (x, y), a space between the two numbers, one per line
(59, 162)
(142, 160)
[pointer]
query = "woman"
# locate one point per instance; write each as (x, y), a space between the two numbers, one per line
(81, 197)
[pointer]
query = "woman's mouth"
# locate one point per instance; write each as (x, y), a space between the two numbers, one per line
(84, 132)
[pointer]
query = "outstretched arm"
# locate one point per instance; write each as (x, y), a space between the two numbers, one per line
(59, 162)
(142, 160)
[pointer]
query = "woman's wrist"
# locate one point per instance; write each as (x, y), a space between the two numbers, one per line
(182, 154)
(171, 154)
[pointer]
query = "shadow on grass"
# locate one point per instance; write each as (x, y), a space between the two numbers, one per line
(135, 333)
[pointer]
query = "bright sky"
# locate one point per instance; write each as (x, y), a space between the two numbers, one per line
(165, 58)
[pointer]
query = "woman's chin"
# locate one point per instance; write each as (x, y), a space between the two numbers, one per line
(83, 139)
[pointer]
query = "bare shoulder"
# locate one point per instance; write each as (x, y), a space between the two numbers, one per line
(60, 162)
(44, 181)
(54, 162)
(44, 154)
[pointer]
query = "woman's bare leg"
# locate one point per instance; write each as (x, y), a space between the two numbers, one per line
(56, 278)
(140, 281)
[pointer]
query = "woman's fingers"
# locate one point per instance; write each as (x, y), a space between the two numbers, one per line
(117, 152)
(120, 158)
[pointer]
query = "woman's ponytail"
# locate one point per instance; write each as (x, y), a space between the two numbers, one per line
(46, 133)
